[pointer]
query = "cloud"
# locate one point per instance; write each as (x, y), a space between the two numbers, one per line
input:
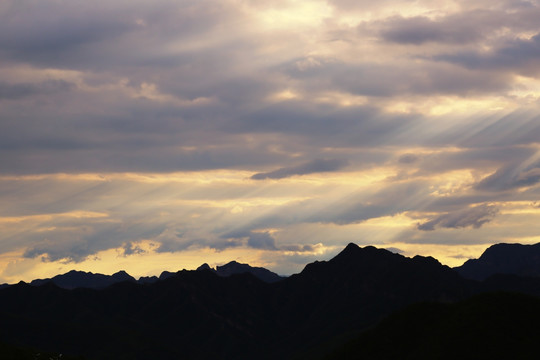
(419, 29)
(255, 239)
(510, 177)
(474, 217)
(470, 25)
(305, 248)
(104, 34)
(315, 166)
(517, 55)
(408, 159)
(261, 240)
(74, 239)
(411, 76)
(130, 248)
(21, 90)
(128, 121)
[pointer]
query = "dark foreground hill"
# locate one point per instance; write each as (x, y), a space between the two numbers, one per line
(10, 352)
(200, 315)
(487, 326)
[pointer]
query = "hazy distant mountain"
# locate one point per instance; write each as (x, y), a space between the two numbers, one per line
(515, 259)
(234, 267)
(80, 279)
(200, 315)
(147, 279)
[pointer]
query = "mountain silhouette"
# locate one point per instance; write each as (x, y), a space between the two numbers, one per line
(80, 279)
(234, 267)
(357, 288)
(202, 315)
(515, 259)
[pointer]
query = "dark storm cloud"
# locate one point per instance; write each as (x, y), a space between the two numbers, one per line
(471, 217)
(315, 166)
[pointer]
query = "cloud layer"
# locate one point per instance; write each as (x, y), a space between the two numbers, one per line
(280, 128)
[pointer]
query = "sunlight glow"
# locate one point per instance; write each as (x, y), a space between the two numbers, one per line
(294, 14)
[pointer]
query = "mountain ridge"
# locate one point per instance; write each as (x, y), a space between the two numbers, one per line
(81, 279)
(503, 258)
(510, 259)
(201, 315)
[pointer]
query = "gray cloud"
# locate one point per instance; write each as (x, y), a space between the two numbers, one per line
(108, 130)
(477, 24)
(474, 217)
(261, 240)
(104, 34)
(299, 248)
(408, 77)
(315, 166)
(408, 159)
(255, 239)
(516, 55)
(17, 91)
(510, 177)
(418, 30)
(75, 240)
(168, 86)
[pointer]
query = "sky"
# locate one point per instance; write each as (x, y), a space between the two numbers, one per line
(159, 135)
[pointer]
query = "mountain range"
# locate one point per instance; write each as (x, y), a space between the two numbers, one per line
(332, 308)
(81, 279)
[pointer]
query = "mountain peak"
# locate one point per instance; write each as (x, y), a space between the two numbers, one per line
(350, 248)
(204, 266)
(515, 259)
(76, 278)
(234, 267)
(354, 253)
